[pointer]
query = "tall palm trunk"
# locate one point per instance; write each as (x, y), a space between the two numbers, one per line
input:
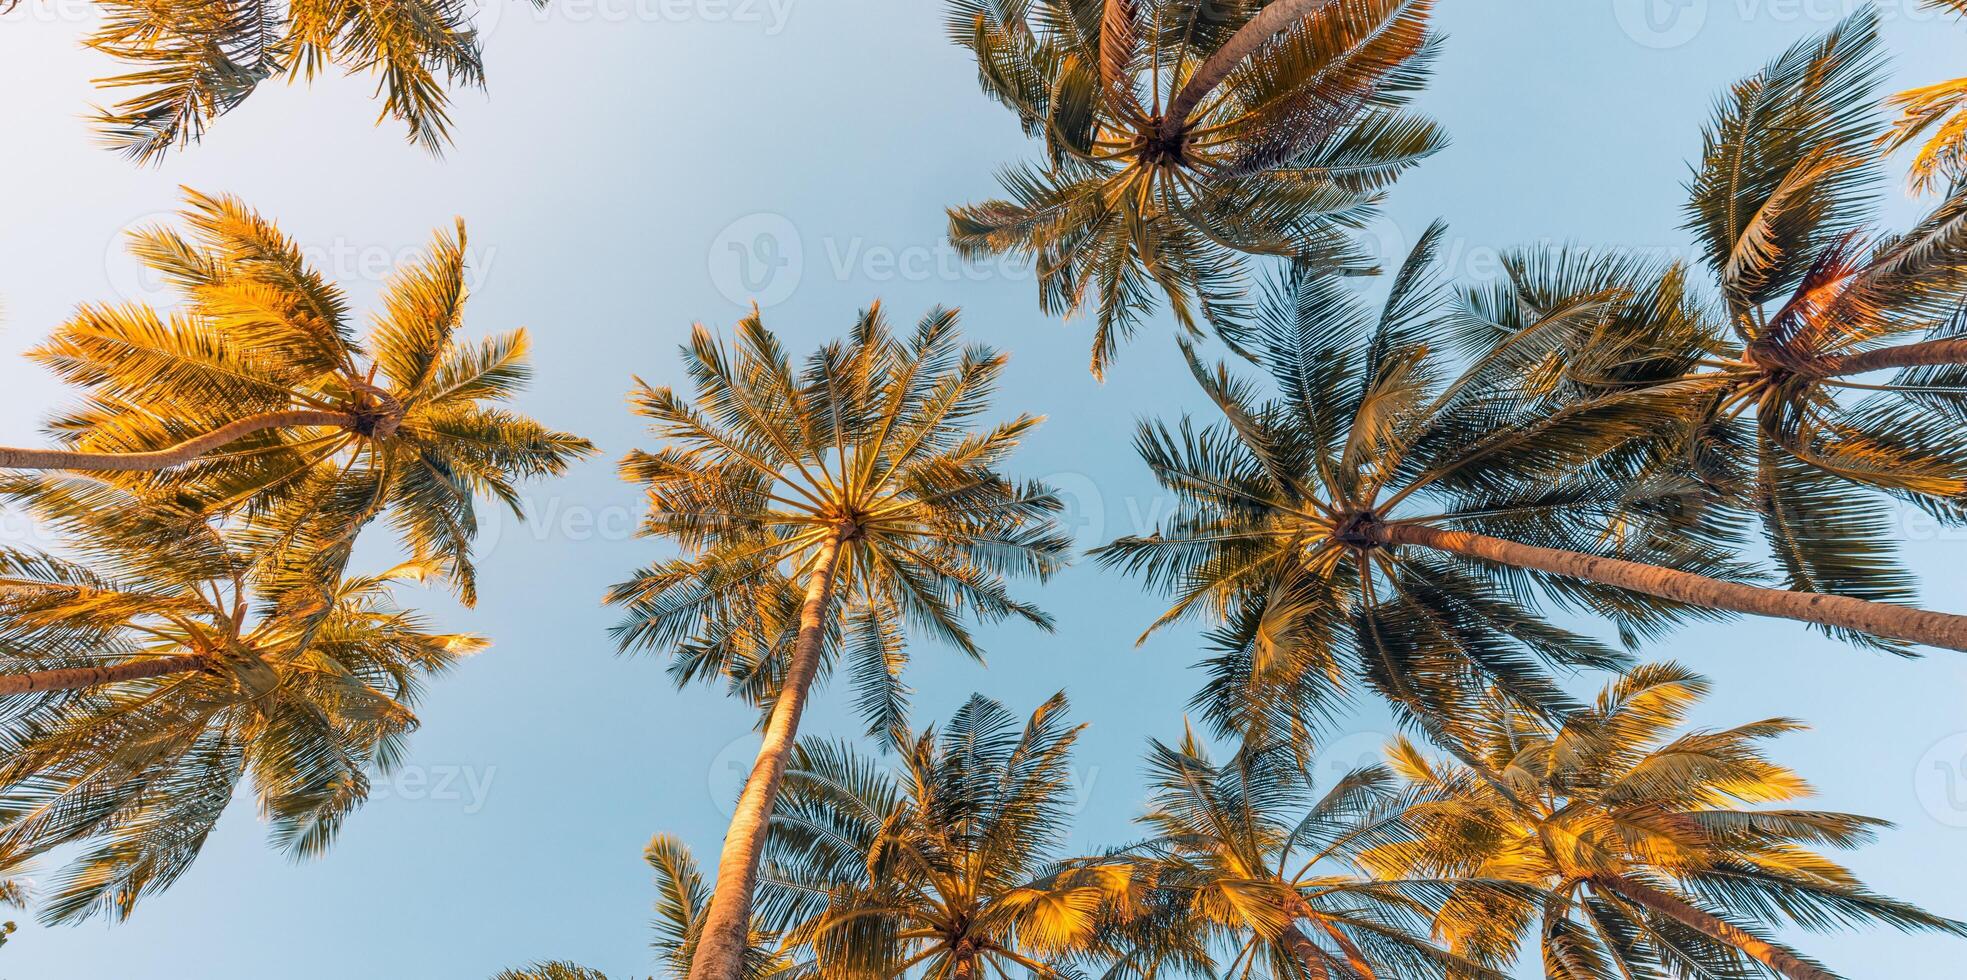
(1279, 16)
(727, 924)
(82, 678)
(1774, 957)
(1876, 618)
(1930, 353)
(178, 455)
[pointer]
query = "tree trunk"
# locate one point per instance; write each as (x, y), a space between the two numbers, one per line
(1279, 16)
(1307, 952)
(82, 678)
(1877, 618)
(1930, 353)
(164, 459)
(727, 924)
(1776, 958)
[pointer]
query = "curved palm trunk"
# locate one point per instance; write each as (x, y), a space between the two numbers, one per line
(83, 678)
(727, 923)
(1279, 16)
(178, 455)
(1877, 618)
(1307, 952)
(1776, 958)
(1931, 353)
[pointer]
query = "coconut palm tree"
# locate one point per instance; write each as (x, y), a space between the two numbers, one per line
(1938, 114)
(948, 866)
(256, 398)
(1651, 853)
(1792, 426)
(1181, 134)
(1269, 870)
(1385, 518)
(141, 682)
(855, 497)
(191, 62)
(680, 906)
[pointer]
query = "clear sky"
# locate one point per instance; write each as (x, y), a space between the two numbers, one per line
(642, 164)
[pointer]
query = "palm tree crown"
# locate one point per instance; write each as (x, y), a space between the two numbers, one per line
(1809, 300)
(1651, 853)
(1181, 133)
(947, 866)
(871, 449)
(159, 678)
(192, 62)
(1269, 870)
(257, 399)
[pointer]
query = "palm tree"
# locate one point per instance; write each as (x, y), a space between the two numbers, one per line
(1384, 518)
(1652, 854)
(851, 498)
(142, 682)
(256, 398)
(680, 906)
(1184, 133)
(949, 865)
(1788, 428)
(192, 62)
(1937, 113)
(1269, 869)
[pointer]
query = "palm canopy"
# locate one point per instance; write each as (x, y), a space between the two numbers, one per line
(1268, 869)
(256, 398)
(946, 866)
(202, 682)
(1281, 508)
(873, 446)
(1650, 853)
(1806, 301)
(1181, 134)
(191, 62)
(1937, 114)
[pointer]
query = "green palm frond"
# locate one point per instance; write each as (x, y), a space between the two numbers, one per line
(947, 863)
(1640, 847)
(1157, 184)
(304, 697)
(192, 62)
(404, 424)
(878, 439)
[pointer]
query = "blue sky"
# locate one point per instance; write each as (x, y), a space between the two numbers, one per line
(642, 164)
